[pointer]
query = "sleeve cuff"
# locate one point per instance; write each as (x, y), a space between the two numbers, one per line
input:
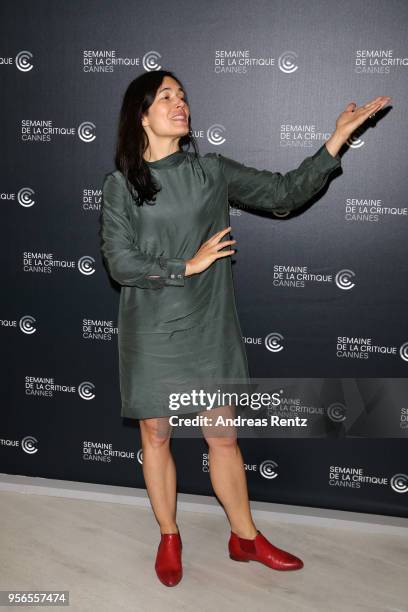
(174, 271)
(325, 160)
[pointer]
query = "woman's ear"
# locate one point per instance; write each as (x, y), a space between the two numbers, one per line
(145, 120)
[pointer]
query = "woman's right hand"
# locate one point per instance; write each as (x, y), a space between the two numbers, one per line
(208, 252)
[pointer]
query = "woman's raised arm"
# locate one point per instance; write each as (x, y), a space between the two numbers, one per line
(273, 191)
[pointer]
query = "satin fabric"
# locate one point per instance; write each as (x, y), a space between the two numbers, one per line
(175, 329)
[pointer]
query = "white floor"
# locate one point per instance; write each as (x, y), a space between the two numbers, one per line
(100, 542)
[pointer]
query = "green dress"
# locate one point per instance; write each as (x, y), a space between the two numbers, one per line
(173, 327)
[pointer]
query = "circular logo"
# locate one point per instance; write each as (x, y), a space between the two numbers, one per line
(86, 131)
(355, 142)
(336, 412)
(286, 62)
(267, 469)
(28, 445)
(22, 61)
(272, 342)
(404, 351)
(24, 197)
(26, 324)
(149, 61)
(85, 390)
(343, 277)
(215, 134)
(399, 483)
(86, 265)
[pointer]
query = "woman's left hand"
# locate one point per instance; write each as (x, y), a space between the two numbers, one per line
(352, 117)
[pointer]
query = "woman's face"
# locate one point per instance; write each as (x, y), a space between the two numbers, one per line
(168, 115)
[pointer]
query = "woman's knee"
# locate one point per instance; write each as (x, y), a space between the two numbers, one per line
(155, 432)
(221, 442)
(220, 437)
(218, 432)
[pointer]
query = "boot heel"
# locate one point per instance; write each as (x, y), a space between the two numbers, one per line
(236, 559)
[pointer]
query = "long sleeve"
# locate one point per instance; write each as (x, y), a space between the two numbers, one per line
(266, 190)
(126, 263)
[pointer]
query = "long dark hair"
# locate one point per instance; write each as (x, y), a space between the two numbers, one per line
(132, 140)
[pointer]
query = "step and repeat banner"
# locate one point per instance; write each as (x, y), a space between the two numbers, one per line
(321, 294)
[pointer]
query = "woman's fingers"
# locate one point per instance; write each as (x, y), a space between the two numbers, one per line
(377, 103)
(224, 243)
(374, 104)
(374, 101)
(373, 109)
(381, 99)
(370, 106)
(225, 230)
(210, 250)
(369, 110)
(217, 237)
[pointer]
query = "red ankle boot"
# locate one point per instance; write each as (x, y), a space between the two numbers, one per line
(168, 564)
(260, 549)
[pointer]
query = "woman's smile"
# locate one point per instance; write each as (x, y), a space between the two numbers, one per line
(180, 116)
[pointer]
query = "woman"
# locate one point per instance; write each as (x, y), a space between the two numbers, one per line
(165, 240)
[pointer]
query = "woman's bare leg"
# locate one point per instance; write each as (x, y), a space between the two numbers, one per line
(159, 471)
(227, 473)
